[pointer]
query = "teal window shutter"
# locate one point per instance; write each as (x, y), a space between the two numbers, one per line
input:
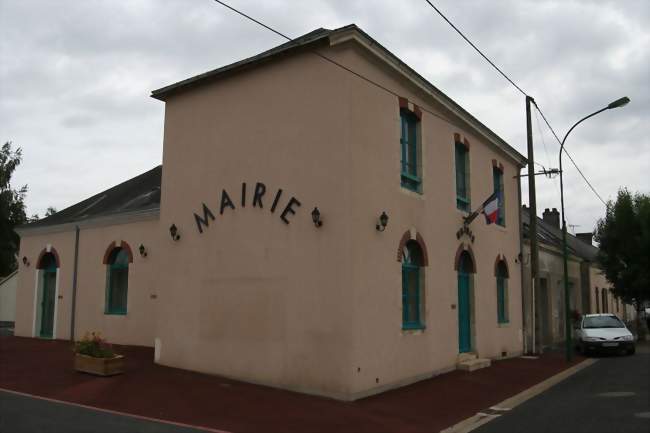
(497, 178)
(502, 293)
(410, 147)
(462, 178)
(117, 282)
(411, 287)
(501, 308)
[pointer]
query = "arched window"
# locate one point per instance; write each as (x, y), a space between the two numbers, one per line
(412, 278)
(117, 281)
(501, 273)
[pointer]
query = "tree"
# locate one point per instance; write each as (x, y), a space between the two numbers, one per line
(624, 243)
(12, 208)
(50, 211)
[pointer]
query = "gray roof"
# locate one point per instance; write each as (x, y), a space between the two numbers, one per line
(6, 279)
(309, 41)
(550, 235)
(141, 193)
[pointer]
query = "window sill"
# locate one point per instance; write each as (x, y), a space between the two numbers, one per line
(466, 202)
(411, 183)
(503, 324)
(408, 328)
(409, 192)
(115, 313)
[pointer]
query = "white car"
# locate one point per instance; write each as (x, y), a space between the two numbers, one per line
(603, 332)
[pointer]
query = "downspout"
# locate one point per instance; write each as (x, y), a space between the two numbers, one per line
(74, 282)
(521, 265)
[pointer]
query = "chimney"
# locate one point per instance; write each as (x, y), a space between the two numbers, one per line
(585, 237)
(552, 217)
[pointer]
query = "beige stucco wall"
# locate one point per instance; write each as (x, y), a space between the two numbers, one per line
(316, 310)
(319, 310)
(384, 354)
(550, 304)
(253, 297)
(136, 327)
(8, 298)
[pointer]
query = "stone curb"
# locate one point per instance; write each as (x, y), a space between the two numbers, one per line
(486, 416)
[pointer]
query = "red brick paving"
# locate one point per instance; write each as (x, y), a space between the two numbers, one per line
(44, 368)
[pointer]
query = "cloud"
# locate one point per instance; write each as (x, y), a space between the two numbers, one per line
(75, 79)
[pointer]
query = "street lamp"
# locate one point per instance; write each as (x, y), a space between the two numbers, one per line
(567, 304)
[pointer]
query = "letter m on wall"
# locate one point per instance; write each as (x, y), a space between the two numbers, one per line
(200, 222)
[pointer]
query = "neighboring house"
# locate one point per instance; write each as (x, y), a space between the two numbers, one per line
(220, 260)
(8, 286)
(589, 290)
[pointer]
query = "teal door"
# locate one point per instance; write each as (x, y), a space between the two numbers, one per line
(464, 336)
(47, 303)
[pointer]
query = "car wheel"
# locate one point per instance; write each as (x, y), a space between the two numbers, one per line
(631, 350)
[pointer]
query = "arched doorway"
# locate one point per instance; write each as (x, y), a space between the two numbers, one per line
(465, 268)
(46, 295)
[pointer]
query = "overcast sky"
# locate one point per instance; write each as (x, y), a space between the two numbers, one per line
(75, 78)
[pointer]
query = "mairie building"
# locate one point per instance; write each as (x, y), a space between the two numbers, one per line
(305, 230)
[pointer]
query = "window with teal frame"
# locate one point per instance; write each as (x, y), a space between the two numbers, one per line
(462, 177)
(117, 281)
(502, 293)
(410, 150)
(497, 177)
(412, 273)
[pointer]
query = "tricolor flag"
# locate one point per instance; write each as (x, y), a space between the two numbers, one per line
(490, 208)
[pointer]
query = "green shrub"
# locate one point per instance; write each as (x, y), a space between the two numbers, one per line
(92, 344)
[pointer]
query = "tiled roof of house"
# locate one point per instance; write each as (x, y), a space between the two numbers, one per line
(550, 235)
(141, 193)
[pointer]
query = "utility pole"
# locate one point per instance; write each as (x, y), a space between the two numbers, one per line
(532, 235)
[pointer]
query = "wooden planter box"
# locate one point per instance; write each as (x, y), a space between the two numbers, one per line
(99, 366)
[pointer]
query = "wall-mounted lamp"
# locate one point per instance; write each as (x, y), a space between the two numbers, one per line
(315, 217)
(143, 250)
(25, 261)
(173, 231)
(383, 222)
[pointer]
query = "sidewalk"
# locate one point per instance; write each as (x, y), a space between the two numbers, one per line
(44, 368)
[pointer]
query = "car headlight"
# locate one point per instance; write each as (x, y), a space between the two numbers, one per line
(590, 339)
(628, 337)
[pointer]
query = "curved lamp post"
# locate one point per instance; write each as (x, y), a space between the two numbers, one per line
(567, 304)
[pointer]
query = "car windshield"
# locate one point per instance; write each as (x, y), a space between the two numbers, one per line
(602, 322)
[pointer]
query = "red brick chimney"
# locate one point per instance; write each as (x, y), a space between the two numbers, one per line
(552, 217)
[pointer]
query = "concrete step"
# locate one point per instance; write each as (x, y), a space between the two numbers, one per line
(467, 356)
(473, 364)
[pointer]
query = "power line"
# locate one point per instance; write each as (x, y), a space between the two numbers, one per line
(477, 50)
(570, 157)
(387, 90)
(334, 62)
(524, 93)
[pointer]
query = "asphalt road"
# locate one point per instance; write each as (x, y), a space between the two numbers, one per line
(21, 414)
(609, 396)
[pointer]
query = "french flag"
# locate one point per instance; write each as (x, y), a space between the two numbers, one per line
(491, 208)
